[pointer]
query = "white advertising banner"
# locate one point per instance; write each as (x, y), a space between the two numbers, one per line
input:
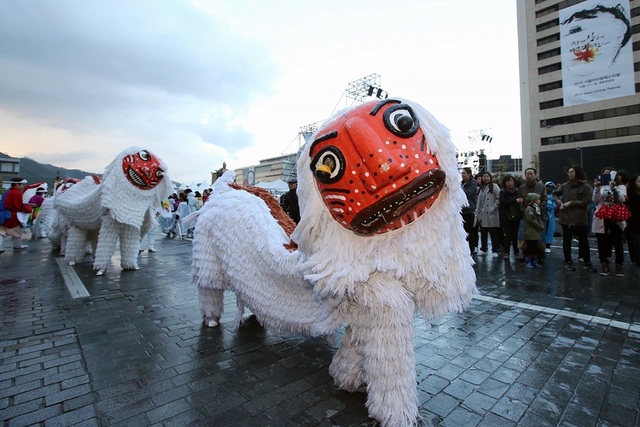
(597, 58)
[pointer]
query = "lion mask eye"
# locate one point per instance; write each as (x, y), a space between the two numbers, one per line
(328, 165)
(401, 121)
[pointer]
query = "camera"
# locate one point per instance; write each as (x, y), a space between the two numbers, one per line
(604, 179)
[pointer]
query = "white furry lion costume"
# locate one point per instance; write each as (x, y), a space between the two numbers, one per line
(380, 237)
(119, 208)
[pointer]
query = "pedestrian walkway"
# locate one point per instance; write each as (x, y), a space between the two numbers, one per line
(539, 347)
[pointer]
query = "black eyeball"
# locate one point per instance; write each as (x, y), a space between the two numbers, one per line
(159, 173)
(401, 121)
(404, 123)
(144, 155)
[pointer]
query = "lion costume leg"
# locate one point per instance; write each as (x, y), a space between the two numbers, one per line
(129, 247)
(347, 366)
(107, 240)
(381, 342)
(74, 247)
(211, 305)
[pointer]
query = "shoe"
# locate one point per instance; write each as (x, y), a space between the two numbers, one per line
(547, 250)
(605, 269)
(17, 248)
(619, 270)
(589, 267)
(481, 252)
(569, 266)
(581, 260)
(210, 322)
(505, 256)
(152, 250)
(495, 254)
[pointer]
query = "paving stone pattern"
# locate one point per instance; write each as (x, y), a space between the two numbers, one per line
(136, 354)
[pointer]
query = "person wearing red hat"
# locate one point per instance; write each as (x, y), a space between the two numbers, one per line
(12, 202)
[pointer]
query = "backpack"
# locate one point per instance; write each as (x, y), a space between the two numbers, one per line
(5, 214)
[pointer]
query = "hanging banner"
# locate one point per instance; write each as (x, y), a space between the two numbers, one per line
(597, 57)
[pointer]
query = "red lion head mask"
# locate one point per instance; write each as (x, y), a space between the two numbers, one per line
(143, 169)
(374, 168)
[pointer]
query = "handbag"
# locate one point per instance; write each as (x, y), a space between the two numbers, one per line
(620, 212)
(604, 212)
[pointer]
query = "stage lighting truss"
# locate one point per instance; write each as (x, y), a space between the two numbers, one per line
(366, 87)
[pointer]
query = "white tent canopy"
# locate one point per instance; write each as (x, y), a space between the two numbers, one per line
(278, 186)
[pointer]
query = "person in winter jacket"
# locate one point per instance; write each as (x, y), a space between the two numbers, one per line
(552, 207)
(633, 224)
(573, 199)
(468, 212)
(13, 203)
(510, 216)
(610, 234)
(487, 215)
(532, 228)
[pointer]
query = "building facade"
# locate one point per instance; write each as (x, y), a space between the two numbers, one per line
(555, 132)
(9, 168)
(281, 167)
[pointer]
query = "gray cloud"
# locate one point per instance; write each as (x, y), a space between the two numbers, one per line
(83, 65)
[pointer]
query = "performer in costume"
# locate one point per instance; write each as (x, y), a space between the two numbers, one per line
(54, 225)
(380, 236)
(13, 204)
(119, 208)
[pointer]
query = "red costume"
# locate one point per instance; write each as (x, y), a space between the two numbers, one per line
(13, 202)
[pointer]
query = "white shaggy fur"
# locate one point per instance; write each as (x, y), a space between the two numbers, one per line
(115, 211)
(77, 218)
(373, 284)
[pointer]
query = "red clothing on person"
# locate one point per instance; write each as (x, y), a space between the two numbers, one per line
(13, 202)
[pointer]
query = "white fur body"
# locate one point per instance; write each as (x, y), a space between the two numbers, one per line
(111, 212)
(373, 284)
(78, 217)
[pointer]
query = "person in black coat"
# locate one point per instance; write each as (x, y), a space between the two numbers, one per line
(468, 212)
(289, 201)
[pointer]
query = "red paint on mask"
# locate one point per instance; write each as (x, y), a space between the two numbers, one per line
(374, 168)
(143, 169)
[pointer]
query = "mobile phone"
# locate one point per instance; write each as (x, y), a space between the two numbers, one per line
(604, 179)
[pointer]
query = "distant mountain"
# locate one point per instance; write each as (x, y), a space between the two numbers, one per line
(34, 171)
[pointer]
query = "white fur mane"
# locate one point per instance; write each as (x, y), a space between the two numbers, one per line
(125, 202)
(429, 255)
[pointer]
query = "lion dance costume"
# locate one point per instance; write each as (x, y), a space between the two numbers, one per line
(120, 208)
(380, 237)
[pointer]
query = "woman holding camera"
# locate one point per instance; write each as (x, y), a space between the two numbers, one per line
(608, 191)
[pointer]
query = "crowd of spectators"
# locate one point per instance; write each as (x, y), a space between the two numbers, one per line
(519, 215)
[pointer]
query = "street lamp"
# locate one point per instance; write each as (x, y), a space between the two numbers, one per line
(580, 150)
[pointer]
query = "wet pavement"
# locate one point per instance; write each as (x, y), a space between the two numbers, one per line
(540, 347)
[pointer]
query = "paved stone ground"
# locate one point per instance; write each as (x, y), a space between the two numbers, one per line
(538, 348)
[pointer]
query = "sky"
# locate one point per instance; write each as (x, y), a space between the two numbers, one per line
(201, 82)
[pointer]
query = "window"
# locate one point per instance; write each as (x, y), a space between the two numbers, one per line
(549, 68)
(550, 86)
(588, 136)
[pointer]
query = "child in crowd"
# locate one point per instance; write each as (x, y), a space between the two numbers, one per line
(532, 228)
(552, 207)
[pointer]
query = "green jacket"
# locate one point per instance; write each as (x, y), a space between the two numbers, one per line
(579, 193)
(532, 218)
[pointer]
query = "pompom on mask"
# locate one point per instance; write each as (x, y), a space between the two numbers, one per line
(374, 169)
(143, 169)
